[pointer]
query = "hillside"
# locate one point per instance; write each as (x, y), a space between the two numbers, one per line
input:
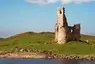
(44, 40)
(1, 38)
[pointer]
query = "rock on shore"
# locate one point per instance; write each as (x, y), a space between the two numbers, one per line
(45, 54)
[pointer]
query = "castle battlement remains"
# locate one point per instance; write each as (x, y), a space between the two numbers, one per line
(63, 32)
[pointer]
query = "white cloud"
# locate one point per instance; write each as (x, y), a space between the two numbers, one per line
(52, 1)
(43, 2)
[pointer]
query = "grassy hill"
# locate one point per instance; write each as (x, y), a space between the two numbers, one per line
(45, 40)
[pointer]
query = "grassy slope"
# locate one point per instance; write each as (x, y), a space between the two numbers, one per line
(38, 40)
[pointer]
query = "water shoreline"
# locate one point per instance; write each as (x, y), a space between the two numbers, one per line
(48, 55)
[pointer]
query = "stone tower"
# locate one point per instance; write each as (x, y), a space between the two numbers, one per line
(61, 18)
(61, 26)
(63, 32)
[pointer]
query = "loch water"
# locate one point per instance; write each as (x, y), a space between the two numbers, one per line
(43, 61)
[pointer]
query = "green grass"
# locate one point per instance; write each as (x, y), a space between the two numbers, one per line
(32, 40)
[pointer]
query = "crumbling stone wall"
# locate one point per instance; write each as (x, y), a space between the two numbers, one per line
(56, 32)
(73, 33)
(63, 32)
(76, 32)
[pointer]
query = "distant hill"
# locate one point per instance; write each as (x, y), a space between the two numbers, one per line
(87, 37)
(33, 36)
(1, 38)
(44, 34)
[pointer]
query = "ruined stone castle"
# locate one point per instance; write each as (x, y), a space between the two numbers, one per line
(63, 32)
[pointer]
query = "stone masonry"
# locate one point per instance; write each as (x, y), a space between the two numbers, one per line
(63, 32)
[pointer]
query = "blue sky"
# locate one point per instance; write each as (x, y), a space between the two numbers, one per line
(17, 16)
